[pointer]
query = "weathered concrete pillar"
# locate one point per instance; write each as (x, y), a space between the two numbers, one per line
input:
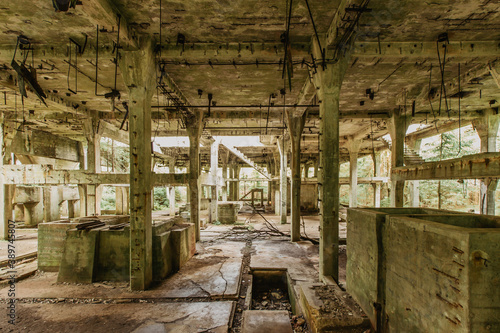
(171, 191)
(398, 124)
(93, 163)
(282, 144)
(224, 181)
(353, 146)
(234, 186)
(118, 201)
(214, 163)
(414, 185)
(138, 71)
(82, 189)
(71, 208)
(487, 129)
(328, 81)
(194, 127)
(296, 125)
(376, 173)
(51, 201)
(6, 191)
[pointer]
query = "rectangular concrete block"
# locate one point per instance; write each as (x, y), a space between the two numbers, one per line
(112, 261)
(77, 264)
(162, 256)
(51, 240)
(183, 244)
(425, 271)
(227, 212)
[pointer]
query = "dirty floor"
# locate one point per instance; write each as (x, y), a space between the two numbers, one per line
(211, 293)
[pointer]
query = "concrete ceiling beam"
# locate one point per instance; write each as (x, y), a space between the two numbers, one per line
(419, 49)
(478, 166)
(222, 52)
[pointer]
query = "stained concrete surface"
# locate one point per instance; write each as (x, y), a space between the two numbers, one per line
(26, 242)
(212, 276)
(258, 321)
(132, 317)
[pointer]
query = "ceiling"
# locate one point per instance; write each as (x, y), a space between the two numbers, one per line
(234, 51)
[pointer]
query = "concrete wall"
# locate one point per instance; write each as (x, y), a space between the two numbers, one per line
(425, 273)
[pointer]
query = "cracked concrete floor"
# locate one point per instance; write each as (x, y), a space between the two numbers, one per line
(206, 287)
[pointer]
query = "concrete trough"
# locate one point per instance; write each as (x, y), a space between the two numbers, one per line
(102, 254)
(417, 270)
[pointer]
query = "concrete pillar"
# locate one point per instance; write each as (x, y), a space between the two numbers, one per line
(6, 191)
(71, 208)
(138, 72)
(296, 125)
(353, 147)
(487, 129)
(118, 201)
(376, 173)
(328, 81)
(51, 201)
(82, 189)
(171, 190)
(283, 178)
(126, 199)
(18, 212)
(214, 164)
(398, 124)
(93, 163)
(234, 186)
(194, 127)
(224, 182)
(414, 185)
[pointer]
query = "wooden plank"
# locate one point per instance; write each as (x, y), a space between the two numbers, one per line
(478, 166)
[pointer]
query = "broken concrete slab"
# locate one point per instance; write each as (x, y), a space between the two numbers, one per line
(214, 273)
(128, 317)
(258, 321)
(326, 309)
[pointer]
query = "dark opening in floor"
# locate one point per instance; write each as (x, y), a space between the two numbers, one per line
(270, 291)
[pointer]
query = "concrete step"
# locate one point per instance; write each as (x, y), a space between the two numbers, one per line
(258, 321)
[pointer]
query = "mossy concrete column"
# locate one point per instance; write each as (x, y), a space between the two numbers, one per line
(138, 71)
(353, 146)
(171, 191)
(214, 163)
(194, 122)
(93, 162)
(398, 124)
(487, 129)
(376, 173)
(6, 191)
(296, 125)
(282, 146)
(82, 189)
(415, 184)
(328, 82)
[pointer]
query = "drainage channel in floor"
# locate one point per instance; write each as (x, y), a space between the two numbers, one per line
(270, 290)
